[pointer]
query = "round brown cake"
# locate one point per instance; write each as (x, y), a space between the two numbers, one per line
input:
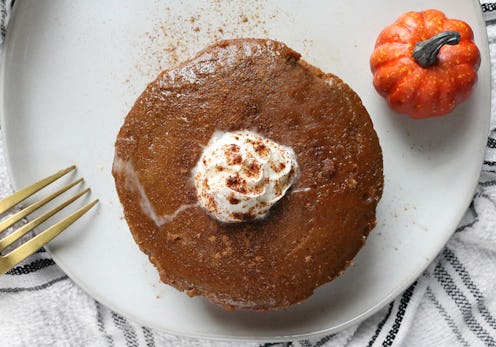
(310, 235)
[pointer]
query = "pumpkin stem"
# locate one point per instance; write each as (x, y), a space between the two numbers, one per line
(425, 52)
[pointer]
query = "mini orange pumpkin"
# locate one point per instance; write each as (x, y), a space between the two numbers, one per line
(425, 64)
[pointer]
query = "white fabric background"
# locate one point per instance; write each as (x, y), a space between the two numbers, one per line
(452, 304)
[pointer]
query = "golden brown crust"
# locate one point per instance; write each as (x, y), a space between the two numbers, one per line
(311, 235)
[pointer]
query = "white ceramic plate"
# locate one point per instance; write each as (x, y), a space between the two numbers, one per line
(72, 70)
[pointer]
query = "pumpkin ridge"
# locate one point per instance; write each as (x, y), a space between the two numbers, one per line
(387, 82)
(405, 91)
(407, 27)
(433, 23)
(401, 50)
(432, 103)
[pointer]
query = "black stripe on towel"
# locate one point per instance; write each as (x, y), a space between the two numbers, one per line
(463, 304)
(36, 265)
(33, 289)
(3, 17)
(380, 325)
(149, 339)
(451, 323)
(482, 196)
(305, 343)
(491, 143)
(487, 197)
(323, 340)
(489, 163)
(127, 330)
(100, 322)
(475, 219)
(467, 280)
(465, 226)
(400, 314)
(491, 183)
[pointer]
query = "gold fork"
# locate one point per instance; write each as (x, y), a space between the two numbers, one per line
(20, 253)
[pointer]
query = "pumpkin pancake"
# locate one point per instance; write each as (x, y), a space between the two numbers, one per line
(310, 235)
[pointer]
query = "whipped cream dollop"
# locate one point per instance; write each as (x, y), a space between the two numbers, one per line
(241, 174)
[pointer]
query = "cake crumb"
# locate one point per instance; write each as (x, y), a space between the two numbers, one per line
(352, 183)
(308, 258)
(212, 238)
(192, 292)
(173, 237)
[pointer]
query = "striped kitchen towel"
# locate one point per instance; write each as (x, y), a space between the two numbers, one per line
(453, 303)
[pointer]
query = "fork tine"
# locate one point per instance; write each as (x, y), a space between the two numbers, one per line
(33, 207)
(11, 238)
(31, 246)
(26, 192)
